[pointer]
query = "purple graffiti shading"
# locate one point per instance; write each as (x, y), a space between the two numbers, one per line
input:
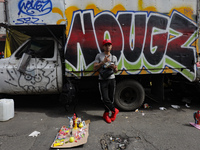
(35, 7)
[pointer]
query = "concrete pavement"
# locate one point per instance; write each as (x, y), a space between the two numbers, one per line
(147, 129)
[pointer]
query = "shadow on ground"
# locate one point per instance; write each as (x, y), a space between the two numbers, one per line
(90, 101)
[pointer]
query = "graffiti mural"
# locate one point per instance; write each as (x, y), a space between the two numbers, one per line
(34, 8)
(35, 79)
(148, 36)
(141, 41)
(34, 12)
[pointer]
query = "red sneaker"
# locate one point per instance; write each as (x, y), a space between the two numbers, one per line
(114, 114)
(106, 117)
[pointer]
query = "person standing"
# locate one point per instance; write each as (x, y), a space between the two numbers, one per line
(107, 86)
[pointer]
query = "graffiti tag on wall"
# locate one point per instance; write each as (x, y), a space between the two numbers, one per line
(140, 40)
(34, 9)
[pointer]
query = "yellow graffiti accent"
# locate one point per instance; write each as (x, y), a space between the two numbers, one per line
(149, 8)
(171, 36)
(117, 8)
(124, 73)
(140, 5)
(167, 70)
(196, 45)
(61, 20)
(95, 8)
(143, 71)
(187, 11)
(57, 10)
(69, 14)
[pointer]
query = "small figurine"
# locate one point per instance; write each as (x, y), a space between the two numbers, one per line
(197, 117)
(75, 126)
(74, 117)
(70, 122)
(83, 122)
(79, 121)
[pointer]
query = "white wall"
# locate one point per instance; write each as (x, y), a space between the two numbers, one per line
(2, 18)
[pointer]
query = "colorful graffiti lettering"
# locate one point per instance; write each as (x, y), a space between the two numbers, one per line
(28, 20)
(34, 7)
(141, 40)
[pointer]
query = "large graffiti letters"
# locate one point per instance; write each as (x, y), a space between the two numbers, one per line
(132, 44)
(34, 7)
(156, 40)
(178, 49)
(82, 32)
(136, 36)
(107, 23)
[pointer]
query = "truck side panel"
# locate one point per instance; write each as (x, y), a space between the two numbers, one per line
(149, 36)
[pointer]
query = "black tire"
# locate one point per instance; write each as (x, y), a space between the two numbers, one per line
(129, 95)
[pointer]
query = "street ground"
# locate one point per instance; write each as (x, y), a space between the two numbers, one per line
(145, 129)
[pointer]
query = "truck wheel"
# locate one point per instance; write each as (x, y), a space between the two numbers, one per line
(129, 95)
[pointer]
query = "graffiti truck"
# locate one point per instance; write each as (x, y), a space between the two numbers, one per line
(154, 41)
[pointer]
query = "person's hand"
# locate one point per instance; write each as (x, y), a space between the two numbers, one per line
(112, 66)
(106, 59)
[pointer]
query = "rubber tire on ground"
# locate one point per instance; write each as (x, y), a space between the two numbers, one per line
(129, 95)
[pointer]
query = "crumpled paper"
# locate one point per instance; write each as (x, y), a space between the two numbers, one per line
(34, 133)
(175, 106)
(162, 108)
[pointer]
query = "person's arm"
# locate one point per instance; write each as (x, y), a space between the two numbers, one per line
(115, 69)
(98, 65)
(114, 66)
